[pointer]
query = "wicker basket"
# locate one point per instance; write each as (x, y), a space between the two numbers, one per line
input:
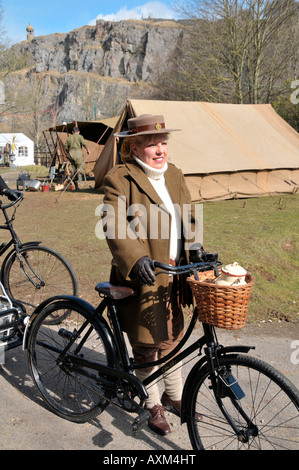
(221, 306)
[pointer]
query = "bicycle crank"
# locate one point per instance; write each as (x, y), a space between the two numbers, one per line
(109, 394)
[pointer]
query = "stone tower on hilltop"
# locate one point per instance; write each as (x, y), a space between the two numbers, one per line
(30, 32)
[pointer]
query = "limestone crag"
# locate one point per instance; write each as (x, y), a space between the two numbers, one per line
(133, 50)
(107, 62)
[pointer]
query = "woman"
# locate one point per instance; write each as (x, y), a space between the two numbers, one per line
(145, 199)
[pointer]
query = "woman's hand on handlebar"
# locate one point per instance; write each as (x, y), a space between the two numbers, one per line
(143, 271)
(144, 267)
(210, 262)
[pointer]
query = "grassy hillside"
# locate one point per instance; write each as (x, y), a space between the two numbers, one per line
(261, 234)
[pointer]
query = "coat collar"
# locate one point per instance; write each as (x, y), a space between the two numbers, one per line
(143, 182)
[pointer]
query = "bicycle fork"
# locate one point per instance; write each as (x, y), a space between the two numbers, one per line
(22, 264)
(224, 385)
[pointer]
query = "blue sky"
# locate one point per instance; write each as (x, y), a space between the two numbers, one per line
(61, 16)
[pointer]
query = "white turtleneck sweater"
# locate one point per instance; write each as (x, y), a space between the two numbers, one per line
(156, 178)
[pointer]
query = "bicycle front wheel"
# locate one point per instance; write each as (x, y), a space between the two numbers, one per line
(37, 274)
(71, 392)
(260, 402)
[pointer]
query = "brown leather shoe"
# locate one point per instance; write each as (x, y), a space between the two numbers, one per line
(158, 422)
(175, 406)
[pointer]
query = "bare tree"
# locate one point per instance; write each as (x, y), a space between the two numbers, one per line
(287, 105)
(271, 47)
(10, 58)
(234, 50)
(34, 107)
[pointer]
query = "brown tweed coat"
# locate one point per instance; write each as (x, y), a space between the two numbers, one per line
(144, 315)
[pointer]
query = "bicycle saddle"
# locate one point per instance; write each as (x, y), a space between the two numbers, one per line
(114, 292)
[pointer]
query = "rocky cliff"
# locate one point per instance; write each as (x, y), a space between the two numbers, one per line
(89, 72)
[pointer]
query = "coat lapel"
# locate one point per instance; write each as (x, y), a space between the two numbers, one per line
(145, 185)
(171, 179)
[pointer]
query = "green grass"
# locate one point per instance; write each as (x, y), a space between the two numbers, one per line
(261, 234)
(68, 225)
(34, 170)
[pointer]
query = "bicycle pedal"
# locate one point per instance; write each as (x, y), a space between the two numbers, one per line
(140, 420)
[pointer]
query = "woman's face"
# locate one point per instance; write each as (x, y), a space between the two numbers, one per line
(153, 151)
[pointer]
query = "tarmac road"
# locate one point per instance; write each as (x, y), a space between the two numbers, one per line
(25, 424)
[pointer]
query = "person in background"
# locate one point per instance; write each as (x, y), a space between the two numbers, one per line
(73, 146)
(153, 319)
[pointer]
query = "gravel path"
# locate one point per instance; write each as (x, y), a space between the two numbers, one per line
(26, 424)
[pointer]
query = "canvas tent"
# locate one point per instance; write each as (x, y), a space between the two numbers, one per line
(224, 150)
(95, 134)
(17, 148)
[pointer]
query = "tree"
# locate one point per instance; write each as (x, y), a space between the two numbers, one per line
(10, 59)
(234, 50)
(287, 106)
(30, 101)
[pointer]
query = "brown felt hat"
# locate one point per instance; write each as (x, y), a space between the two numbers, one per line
(145, 124)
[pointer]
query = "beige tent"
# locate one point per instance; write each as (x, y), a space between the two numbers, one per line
(95, 134)
(224, 150)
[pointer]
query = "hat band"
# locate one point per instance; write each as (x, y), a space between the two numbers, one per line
(158, 126)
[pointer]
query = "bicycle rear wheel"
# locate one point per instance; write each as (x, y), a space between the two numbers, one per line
(38, 274)
(70, 394)
(266, 410)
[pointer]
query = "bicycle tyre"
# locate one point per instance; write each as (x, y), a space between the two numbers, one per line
(50, 271)
(271, 402)
(68, 394)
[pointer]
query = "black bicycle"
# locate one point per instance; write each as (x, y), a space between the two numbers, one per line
(83, 364)
(30, 272)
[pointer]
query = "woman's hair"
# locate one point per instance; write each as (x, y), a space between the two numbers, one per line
(126, 152)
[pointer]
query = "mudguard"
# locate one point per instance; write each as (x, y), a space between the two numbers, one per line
(89, 309)
(196, 370)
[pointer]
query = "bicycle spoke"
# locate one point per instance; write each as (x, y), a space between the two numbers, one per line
(70, 391)
(267, 416)
(36, 274)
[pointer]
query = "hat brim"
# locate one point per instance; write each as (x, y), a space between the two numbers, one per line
(152, 132)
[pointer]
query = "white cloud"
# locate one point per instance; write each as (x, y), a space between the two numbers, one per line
(150, 9)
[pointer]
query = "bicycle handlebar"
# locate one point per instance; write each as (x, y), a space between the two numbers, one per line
(210, 263)
(7, 206)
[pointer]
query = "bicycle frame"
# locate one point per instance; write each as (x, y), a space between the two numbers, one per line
(16, 309)
(15, 241)
(9, 226)
(9, 327)
(209, 339)
(122, 366)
